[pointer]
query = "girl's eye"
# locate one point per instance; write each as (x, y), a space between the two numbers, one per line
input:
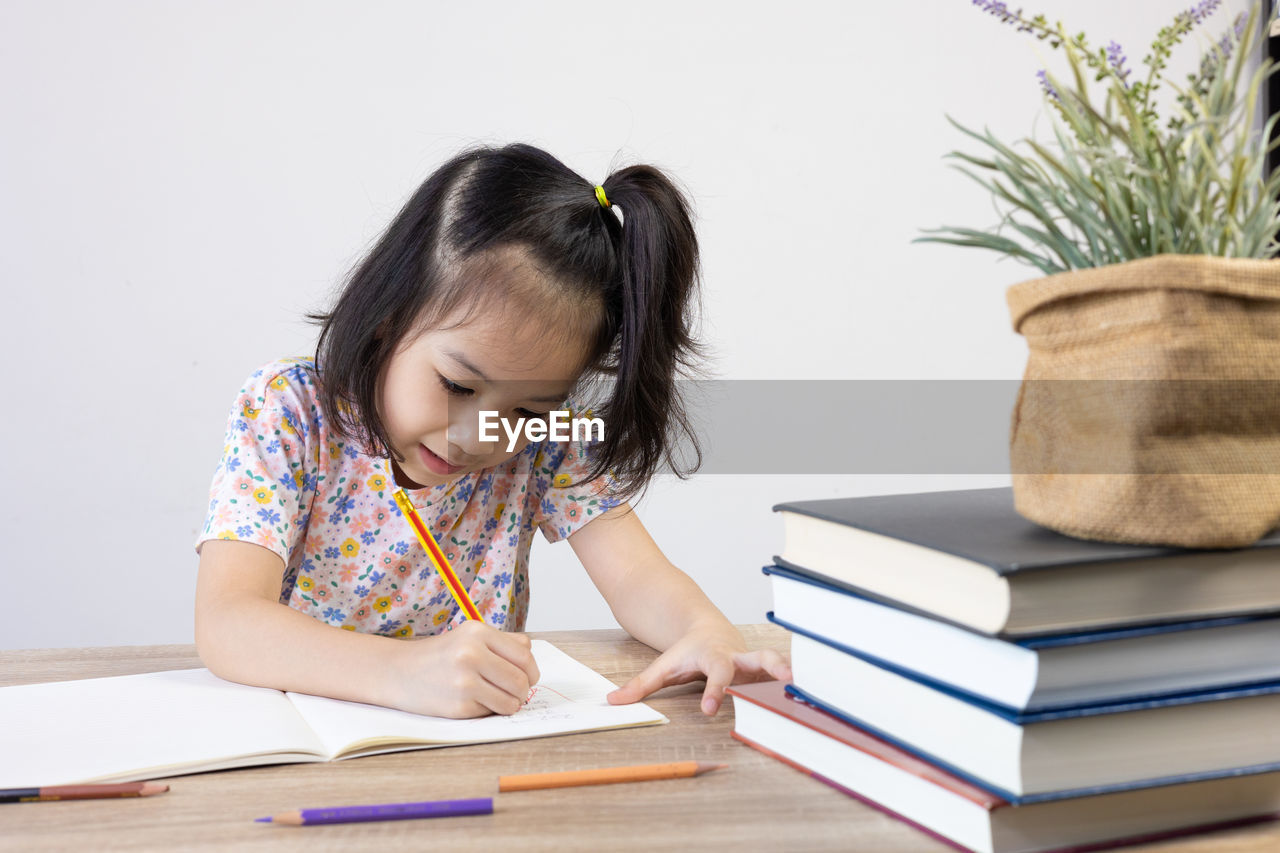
(455, 388)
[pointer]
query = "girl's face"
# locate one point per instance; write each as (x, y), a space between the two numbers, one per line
(436, 384)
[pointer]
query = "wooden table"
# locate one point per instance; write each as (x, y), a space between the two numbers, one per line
(755, 804)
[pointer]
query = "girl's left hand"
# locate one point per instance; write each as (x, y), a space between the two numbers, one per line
(717, 653)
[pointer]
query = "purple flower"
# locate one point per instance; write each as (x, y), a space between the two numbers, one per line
(997, 9)
(1115, 56)
(1202, 10)
(1224, 47)
(1046, 85)
(1232, 36)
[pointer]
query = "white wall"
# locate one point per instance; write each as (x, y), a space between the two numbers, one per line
(179, 182)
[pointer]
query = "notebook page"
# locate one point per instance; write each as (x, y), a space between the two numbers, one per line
(133, 727)
(570, 697)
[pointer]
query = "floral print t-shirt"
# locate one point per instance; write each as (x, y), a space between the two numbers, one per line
(289, 483)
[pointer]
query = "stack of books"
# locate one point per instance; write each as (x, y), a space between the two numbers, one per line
(1006, 688)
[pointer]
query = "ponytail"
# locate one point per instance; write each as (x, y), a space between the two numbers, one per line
(654, 311)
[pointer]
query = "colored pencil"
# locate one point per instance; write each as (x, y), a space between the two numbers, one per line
(389, 811)
(437, 556)
(606, 775)
(81, 792)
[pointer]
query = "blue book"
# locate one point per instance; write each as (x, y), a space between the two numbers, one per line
(1036, 673)
(1030, 756)
(968, 557)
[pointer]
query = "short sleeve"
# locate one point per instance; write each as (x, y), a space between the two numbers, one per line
(570, 500)
(263, 486)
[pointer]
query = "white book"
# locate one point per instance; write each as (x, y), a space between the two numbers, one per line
(134, 727)
(1049, 753)
(1033, 674)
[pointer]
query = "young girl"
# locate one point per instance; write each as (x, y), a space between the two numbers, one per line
(503, 282)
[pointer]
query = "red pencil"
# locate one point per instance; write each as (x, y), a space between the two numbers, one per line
(81, 792)
(437, 556)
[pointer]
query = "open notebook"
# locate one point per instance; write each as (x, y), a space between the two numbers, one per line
(135, 727)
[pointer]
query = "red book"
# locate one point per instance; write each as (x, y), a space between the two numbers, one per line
(968, 817)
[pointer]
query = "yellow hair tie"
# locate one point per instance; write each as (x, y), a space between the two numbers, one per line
(600, 197)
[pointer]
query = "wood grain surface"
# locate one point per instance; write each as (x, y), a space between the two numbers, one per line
(754, 804)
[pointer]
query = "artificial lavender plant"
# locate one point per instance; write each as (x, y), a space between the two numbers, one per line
(1120, 181)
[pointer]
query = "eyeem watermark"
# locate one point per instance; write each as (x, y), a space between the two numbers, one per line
(558, 426)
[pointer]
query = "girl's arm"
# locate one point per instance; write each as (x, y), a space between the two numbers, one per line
(662, 607)
(244, 634)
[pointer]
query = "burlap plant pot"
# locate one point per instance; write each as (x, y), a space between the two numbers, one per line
(1150, 408)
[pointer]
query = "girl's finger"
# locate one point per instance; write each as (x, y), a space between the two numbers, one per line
(505, 676)
(497, 699)
(776, 665)
(655, 676)
(719, 676)
(515, 648)
(766, 663)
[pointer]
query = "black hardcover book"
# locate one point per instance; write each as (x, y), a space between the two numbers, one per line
(969, 557)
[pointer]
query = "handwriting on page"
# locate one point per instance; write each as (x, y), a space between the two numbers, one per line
(544, 703)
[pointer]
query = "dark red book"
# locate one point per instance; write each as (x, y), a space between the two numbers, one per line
(968, 817)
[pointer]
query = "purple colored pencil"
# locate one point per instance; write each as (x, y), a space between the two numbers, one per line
(389, 811)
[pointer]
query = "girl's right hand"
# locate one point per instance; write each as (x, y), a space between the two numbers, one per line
(472, 671)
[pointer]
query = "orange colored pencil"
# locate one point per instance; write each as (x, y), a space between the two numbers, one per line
(606, 775)
(430, 545)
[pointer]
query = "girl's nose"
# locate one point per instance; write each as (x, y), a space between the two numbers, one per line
(464, 437)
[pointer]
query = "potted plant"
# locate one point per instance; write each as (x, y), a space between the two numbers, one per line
(1149, 411)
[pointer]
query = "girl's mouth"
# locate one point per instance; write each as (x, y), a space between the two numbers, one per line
(435, 464)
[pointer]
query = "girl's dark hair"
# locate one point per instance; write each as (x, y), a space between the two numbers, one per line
(633, 285)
